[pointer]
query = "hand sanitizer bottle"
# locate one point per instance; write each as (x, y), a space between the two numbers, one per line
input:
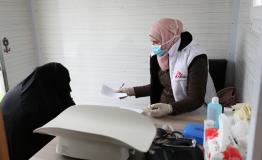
(214, 109)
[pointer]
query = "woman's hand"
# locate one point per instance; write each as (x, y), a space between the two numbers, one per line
(129, 91)
(158, 110)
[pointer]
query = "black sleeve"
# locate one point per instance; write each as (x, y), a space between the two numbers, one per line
(142, 91)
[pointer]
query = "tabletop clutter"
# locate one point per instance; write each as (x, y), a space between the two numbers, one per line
(226, 134)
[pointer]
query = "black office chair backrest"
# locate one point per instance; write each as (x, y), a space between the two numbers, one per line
(217, 70)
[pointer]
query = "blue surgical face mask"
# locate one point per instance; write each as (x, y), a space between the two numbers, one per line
(157, 50)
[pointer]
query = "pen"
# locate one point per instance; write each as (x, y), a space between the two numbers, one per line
(122, 85)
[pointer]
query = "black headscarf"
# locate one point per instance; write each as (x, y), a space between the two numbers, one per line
(33, 102)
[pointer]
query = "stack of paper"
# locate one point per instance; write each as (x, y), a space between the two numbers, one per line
(111, 93)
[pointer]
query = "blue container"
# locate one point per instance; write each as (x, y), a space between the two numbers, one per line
(194, 130)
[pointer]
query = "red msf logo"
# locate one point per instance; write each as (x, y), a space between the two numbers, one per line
(178, 74)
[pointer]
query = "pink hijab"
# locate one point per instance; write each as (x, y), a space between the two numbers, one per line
(167, 31)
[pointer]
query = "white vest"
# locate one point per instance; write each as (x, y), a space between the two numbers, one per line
(179, 62)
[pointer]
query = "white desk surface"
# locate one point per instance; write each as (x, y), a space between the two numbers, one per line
(48, 152)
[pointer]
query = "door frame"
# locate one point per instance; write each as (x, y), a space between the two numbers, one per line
(2, 67)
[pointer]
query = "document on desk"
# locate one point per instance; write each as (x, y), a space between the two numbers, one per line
(133, 109)
(111, 93)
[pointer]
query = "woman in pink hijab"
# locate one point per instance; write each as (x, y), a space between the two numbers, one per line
(180, 81)
(163, 35)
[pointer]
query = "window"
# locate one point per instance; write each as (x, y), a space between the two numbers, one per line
(257, 3)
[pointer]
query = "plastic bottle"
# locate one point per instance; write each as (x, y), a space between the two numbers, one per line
(214, 109)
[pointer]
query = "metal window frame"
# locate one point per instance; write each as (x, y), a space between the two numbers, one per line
(2, 67)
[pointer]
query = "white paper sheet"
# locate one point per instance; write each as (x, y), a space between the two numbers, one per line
(133, 109)
(110, 92)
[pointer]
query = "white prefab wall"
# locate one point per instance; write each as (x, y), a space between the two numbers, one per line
(16, 25)
(249, 70)
(247, 54)
(106, 41)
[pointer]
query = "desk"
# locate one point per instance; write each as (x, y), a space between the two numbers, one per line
(177, 122)
(48, 152)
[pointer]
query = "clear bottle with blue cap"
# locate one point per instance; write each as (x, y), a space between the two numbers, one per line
(214, 109)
